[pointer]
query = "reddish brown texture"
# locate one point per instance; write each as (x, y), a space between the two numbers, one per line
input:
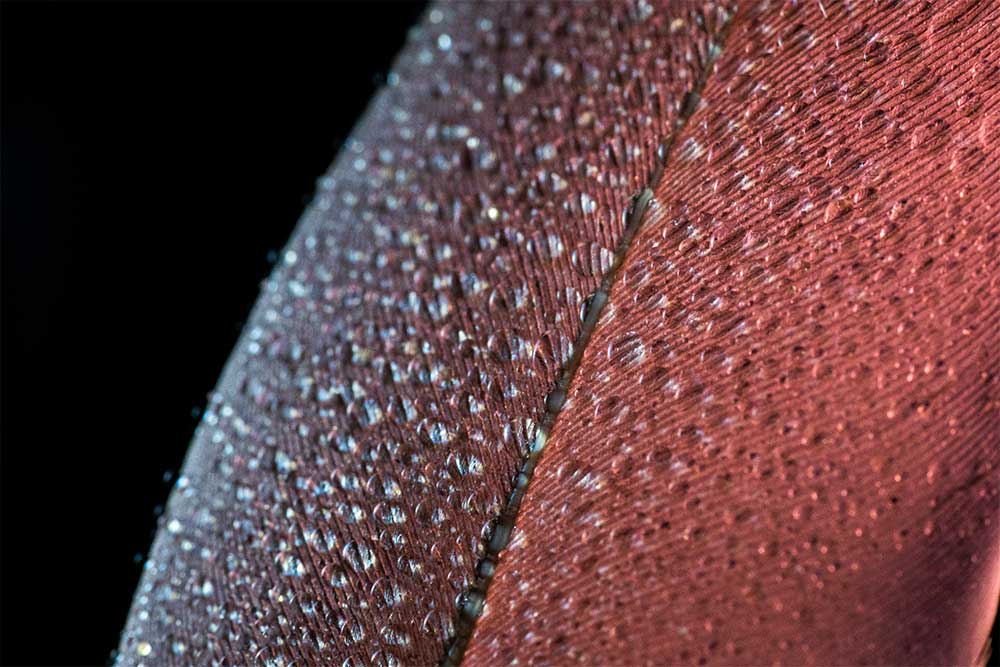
(366, 430)
(781, 446)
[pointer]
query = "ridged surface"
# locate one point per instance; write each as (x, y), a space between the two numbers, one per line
(366, 430)
(782, 444)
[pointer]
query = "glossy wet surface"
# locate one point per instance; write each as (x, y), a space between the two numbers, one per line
(780, 445)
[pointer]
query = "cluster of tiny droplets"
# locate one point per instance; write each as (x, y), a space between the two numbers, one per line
(366, 431)
(781, 444)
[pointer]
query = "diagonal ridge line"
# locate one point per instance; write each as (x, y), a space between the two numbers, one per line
(475, 596)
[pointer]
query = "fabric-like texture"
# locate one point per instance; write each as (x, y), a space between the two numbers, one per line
(364, 435)
(781, 443)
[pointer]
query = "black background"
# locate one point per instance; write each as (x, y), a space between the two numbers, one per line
(153, 156)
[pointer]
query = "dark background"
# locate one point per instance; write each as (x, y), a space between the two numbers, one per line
(153, 155)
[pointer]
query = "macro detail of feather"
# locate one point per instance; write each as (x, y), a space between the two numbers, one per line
(781, 442)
